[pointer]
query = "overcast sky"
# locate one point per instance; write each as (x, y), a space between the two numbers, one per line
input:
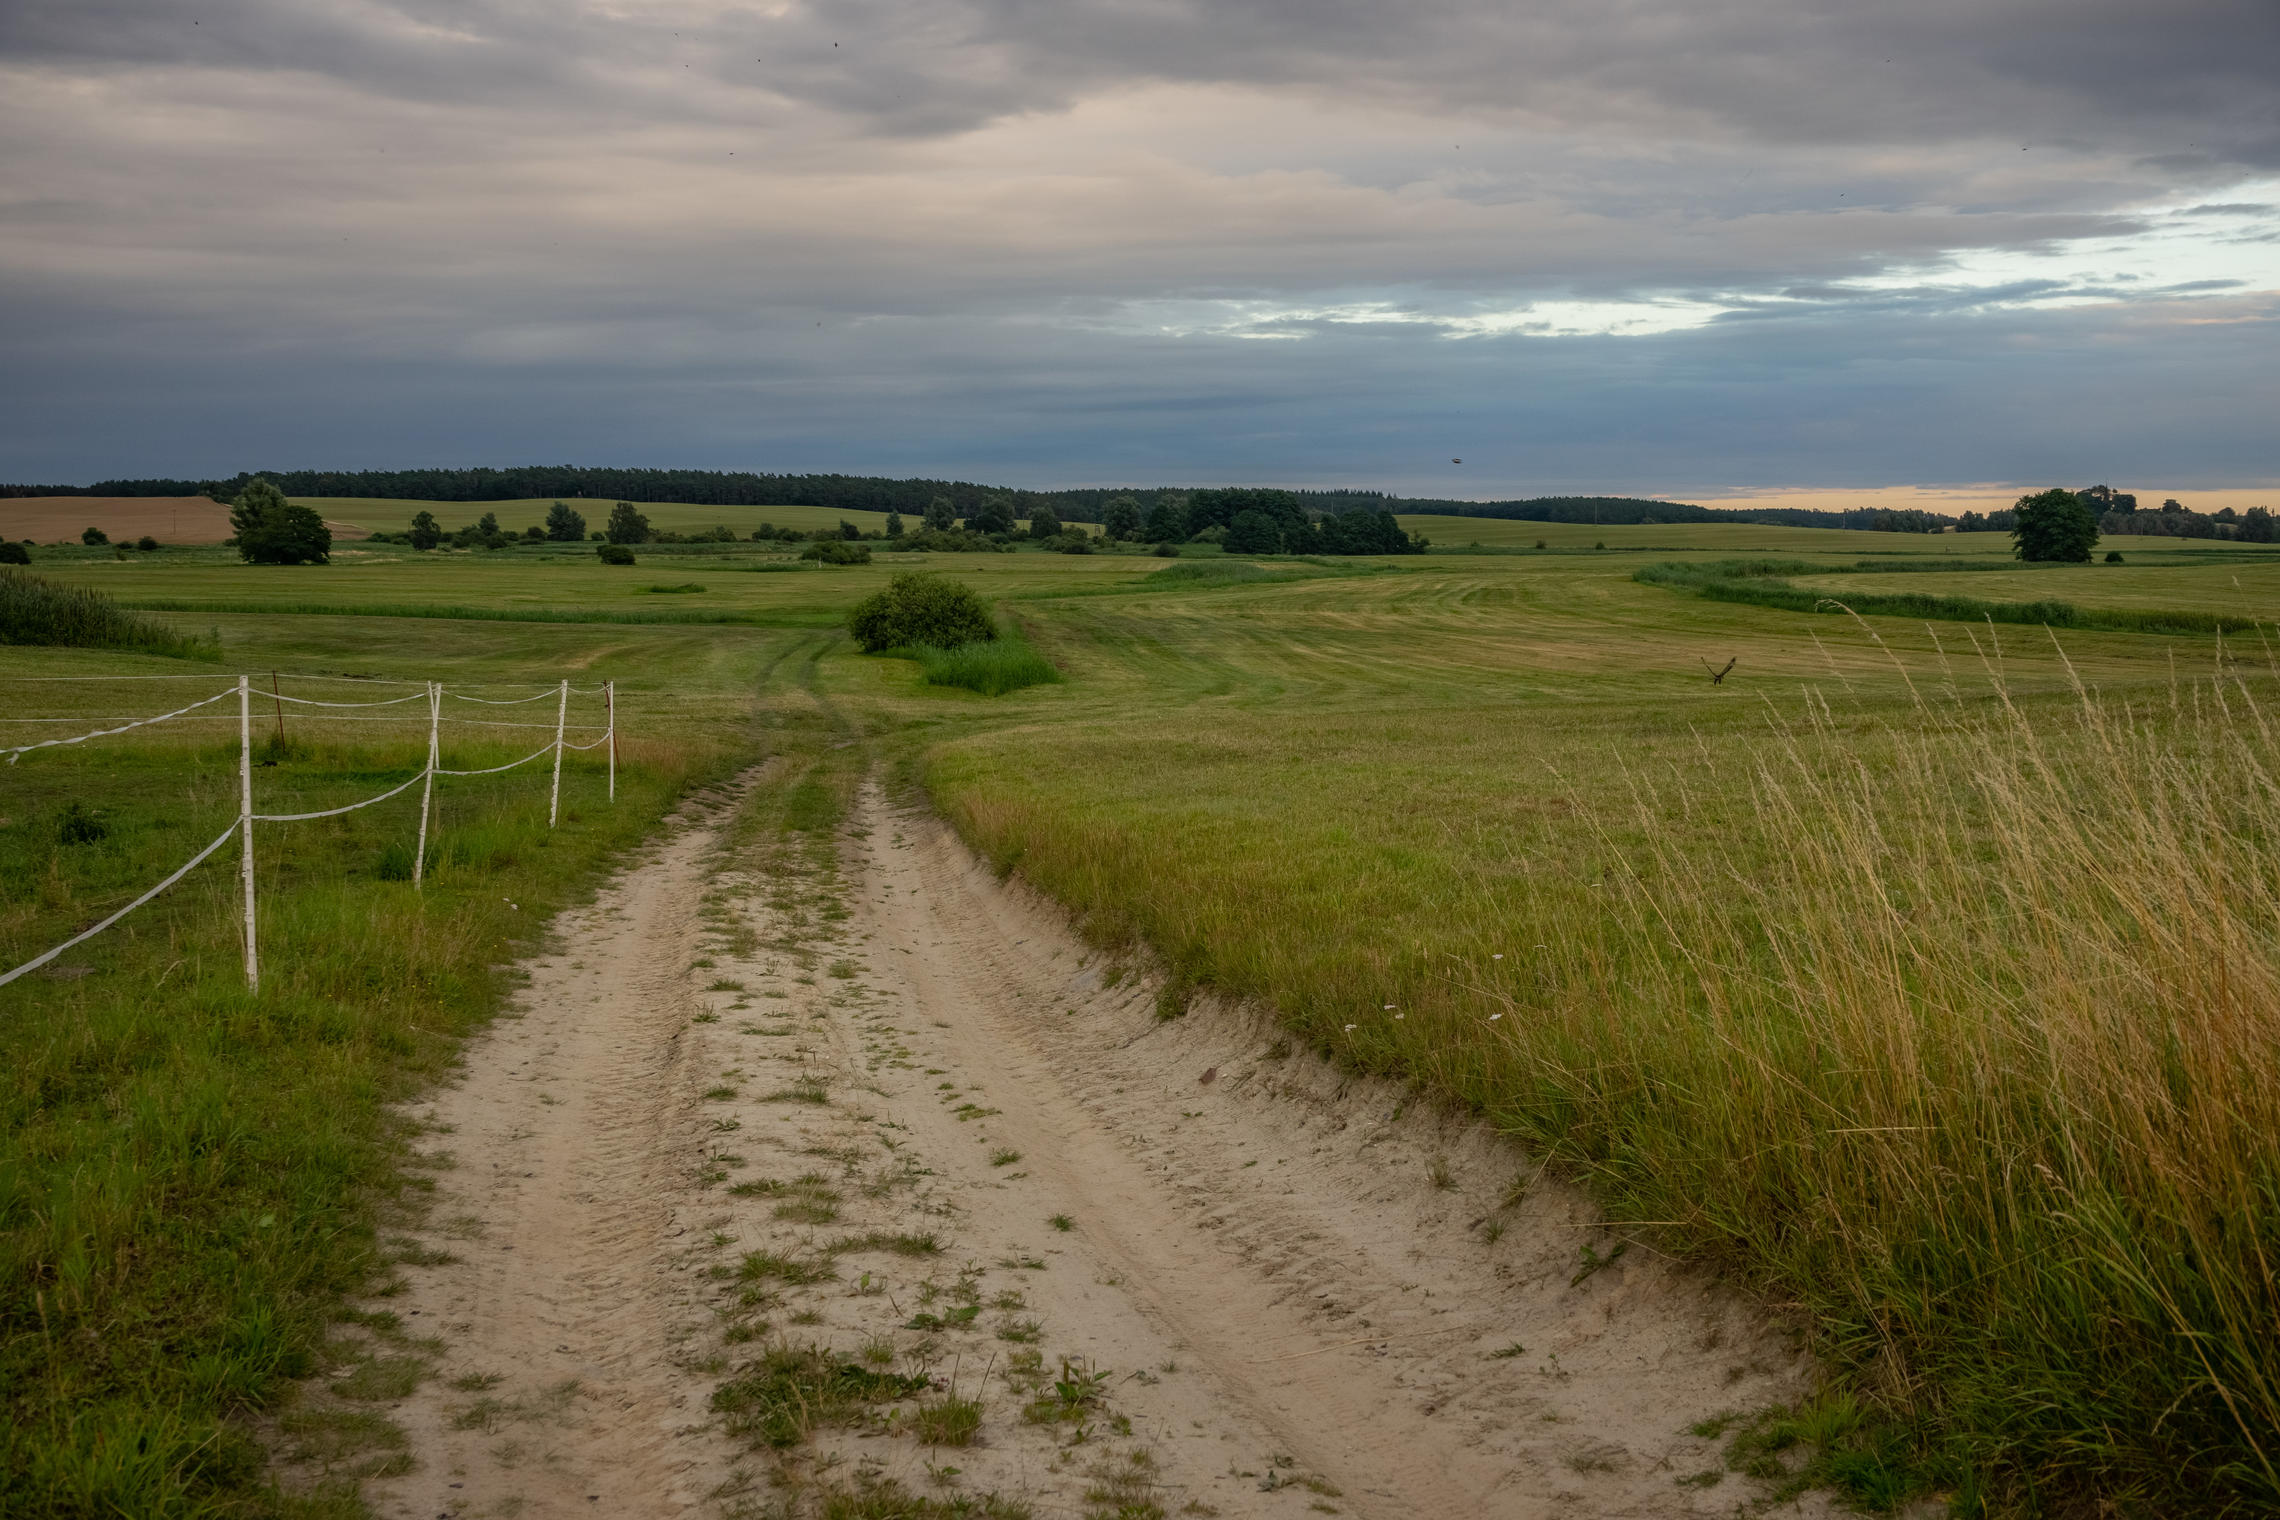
(1610, 245)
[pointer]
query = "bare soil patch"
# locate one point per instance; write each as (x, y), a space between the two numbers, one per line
(169, 519)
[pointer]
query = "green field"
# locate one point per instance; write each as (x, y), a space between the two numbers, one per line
(1925, 977)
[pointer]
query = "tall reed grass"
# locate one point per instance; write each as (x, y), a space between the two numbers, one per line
(1003, 664)
(36, 610)
(1960, 1030)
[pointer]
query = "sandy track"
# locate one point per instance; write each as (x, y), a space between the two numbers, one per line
(569, 1148)
(1287, 1275)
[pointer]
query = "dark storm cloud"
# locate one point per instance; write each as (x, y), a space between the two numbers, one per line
(1055, 237)
(2189, 77)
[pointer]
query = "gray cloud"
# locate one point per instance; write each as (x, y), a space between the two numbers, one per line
(1051, 237)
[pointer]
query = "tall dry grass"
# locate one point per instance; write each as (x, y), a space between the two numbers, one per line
(1982, 1056)
(1958, 1027)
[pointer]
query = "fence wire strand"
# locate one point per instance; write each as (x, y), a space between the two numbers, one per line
(14, 752)
(38, 961)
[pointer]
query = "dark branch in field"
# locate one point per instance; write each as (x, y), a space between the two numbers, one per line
(1717, 676)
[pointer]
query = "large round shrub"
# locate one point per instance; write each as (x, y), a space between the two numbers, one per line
(920, 609)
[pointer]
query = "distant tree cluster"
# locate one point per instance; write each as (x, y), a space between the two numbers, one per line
(1254, 521)
(2118, 512)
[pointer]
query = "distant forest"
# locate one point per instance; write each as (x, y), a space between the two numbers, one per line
(874, 493)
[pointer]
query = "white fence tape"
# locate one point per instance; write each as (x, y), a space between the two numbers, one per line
(417, 696)
(500, 701)
(331, 812)
(543, 749)
(17, 750)
(242, 826)
(38, 961)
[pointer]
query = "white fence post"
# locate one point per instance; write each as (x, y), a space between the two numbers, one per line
(561, 715)
(609, 689)
(427, 785)
(245, 824)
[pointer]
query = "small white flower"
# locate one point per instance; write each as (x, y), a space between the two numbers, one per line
(1496, 957)
(1397, 1018)
(1352, 1026)
(1492, 1018)
(1389, 1008)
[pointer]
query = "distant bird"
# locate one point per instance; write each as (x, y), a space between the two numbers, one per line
(1456, 461)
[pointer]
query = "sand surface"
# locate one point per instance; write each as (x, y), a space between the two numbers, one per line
(1274, 1290)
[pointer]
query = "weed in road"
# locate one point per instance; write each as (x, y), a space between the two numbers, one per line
(948, 1421)
(1074, 1395)
(1004, 1157)
(775, 1266)
(1123, 1490)
(793, 1391)
(805, 1090)
(901, 1244)
(1062, 1222)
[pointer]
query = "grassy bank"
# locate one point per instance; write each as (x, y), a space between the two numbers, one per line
(1945, 1009)
(1762, 583)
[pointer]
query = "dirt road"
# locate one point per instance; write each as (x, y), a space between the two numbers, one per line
(871, 1182)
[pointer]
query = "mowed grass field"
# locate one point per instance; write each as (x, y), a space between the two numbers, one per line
(1925, 976)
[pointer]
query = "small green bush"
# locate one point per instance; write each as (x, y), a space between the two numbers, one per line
(838, 551)
(13, 553)
(917, 609)
(614, 554)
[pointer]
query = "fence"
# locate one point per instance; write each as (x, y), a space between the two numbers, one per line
(434, 693)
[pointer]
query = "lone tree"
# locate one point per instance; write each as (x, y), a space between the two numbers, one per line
(273, 531)
(565, 524)
(2054, 525)
(1043, 524)
(93, 536)
(940, 516)
(626, 525)
(426, 531)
